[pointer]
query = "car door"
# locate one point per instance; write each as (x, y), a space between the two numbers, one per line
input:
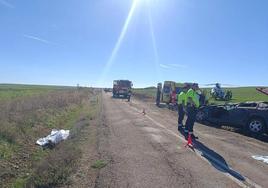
(218, 115)
(237, 116)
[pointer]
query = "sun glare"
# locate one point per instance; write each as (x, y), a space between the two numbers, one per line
(119, 41)
(122, 35)
(156, 56)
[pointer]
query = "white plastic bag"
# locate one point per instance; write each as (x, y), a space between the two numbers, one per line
(55, 137)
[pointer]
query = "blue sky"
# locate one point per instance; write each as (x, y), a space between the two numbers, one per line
(92, 42)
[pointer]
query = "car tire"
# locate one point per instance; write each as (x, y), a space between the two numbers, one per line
(255, 126)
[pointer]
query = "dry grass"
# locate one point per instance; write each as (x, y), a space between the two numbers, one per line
(56, 167)
(23, 121)
(20, 114)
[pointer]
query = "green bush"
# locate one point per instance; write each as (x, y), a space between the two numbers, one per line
(99, 164)
(20, 183)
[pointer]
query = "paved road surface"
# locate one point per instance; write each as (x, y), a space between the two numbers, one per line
(147, 151)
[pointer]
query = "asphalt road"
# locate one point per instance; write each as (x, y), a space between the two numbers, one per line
(148, 151)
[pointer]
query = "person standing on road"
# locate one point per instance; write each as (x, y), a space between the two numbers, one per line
(181, 106)
(158, 94)
(191, 108)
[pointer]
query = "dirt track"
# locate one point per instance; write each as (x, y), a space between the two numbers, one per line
(147, 151)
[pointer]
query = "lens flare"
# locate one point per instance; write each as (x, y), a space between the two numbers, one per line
(119, 42)
(156, 56)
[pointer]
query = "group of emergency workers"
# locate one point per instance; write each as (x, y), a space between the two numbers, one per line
(188, 103)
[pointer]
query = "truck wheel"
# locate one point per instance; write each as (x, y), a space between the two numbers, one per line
(256, 126)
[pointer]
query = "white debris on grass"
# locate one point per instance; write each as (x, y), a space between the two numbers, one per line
(55, 137)
(261, 158)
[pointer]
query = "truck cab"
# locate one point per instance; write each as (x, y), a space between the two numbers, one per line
(122, 88)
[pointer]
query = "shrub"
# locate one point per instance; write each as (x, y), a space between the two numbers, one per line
(55, 169)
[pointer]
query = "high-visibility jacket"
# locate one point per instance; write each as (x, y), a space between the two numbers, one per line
(194, 98)
(182, 98)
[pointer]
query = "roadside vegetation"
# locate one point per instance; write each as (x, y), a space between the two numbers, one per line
(145, 93)
(12, 91)
(99, 164)
(241, 94)
(25, 117)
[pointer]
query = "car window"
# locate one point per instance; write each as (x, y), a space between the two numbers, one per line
(166, 89)
(263, 105)
(247, 105)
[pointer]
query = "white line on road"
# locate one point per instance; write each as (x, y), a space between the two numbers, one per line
(200, 153)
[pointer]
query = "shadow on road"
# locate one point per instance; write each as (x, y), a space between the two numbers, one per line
(162, 105)
(263, 137)
(122, 98)
(215, 159)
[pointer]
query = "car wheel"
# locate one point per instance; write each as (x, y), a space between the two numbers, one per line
(256, 126)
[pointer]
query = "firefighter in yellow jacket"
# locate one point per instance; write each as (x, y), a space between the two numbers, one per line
(192, 105)
(181, 105)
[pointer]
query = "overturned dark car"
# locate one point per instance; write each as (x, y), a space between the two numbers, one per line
(252, 117)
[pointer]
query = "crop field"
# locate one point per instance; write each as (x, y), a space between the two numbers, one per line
(31, 112)
(12, 91)
(243, 94)
(240, 94)
(145, 93)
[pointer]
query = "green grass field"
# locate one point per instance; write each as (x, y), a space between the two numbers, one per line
(12, 91)
(241, 94)
(150, 92)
